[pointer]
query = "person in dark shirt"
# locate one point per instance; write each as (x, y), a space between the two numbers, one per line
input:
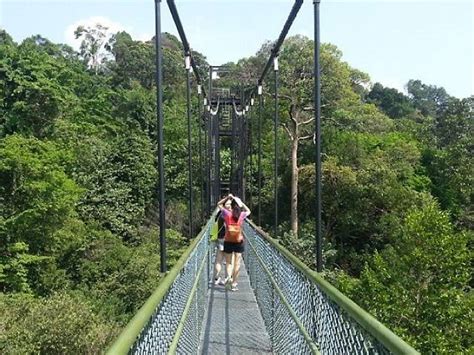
(218, 280)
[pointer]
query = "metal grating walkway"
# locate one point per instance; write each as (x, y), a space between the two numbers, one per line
(233, 323)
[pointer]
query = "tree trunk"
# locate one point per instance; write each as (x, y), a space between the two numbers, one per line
(294, 187)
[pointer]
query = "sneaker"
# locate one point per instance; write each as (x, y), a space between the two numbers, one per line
(218, 281)
(228, 282)
(221, 281)
(234, 287)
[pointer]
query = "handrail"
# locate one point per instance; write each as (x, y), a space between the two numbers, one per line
(380, 332)
(132, 330)
(179, 331)
(313, 347)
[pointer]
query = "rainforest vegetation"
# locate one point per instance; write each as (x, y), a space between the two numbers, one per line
(78, 187)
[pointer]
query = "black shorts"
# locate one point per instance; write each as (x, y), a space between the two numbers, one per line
(234, 247)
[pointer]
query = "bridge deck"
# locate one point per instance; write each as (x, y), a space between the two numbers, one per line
(233, 324)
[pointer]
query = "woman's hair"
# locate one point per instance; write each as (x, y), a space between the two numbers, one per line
(236, 210)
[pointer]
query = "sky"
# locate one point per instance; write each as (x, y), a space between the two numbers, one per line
(392, 41)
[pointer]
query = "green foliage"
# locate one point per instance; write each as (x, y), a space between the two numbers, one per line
(177, 244)
(37, 206)
(14, 262)
(118, 178)
(304, 245)
(78, 199)
(419, 285)
(37, 195)
(392, 102)
(226, 161)
(429, 99)
(176, 150)
(63, 323)
(36, 86)
(370, 182)
(136, 107)
(134, 61)
(5, 38)
(118, 277)
(336, 80)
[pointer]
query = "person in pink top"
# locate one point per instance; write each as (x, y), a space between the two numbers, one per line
(234, 241)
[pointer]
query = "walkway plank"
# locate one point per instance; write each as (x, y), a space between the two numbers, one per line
(233, 323)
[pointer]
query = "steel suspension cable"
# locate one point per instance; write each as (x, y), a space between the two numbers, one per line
(159, 113)
(250, 170)
(218, 153)
(241, 145)
(184, 40)
(317, 111)
(209, 160)
(232, 154)
(276, 123)
(199, 121)
(260, 103)
(190, 148)
(211, 144)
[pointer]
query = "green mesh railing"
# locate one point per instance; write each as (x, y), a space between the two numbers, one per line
(171, 319)
(303, 313)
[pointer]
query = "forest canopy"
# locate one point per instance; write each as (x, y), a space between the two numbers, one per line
(78, 197)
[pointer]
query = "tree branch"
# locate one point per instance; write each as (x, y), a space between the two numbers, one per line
(308, 121)
(295, 122)
(288, 131)
(311, 108)
(306, 137)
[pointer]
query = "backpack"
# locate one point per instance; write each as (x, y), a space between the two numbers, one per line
(233, 232)
(216, 229)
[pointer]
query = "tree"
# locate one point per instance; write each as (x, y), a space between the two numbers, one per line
(370, 182)
(37, 86)
(134, 61)
(37, 205)
(390, 101)
(449, 160)
(297, 80)
(297, 83)
(62, 323)
(5, 38)
(419, 286)
(429, 99)
(94, 44)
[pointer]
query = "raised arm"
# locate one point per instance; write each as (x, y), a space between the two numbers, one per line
(242, 205)
(220, 204)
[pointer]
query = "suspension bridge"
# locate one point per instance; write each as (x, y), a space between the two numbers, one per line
(282, 306)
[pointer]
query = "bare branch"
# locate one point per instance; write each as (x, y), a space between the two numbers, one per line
(308, 121)
(288, 131)
(309, 136)
(311, 108)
